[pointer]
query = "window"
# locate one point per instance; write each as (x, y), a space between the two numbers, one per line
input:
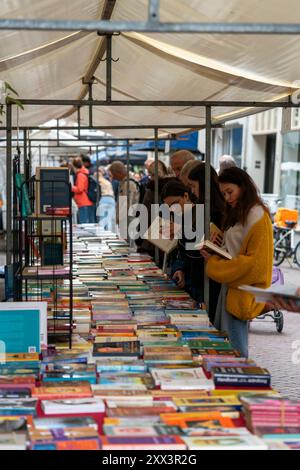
(233, 143)
(290, 170)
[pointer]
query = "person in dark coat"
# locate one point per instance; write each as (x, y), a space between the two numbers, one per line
(217, 210)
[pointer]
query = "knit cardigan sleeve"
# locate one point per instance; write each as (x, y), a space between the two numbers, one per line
(249, 266)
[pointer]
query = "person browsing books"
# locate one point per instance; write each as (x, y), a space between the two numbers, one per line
(187, 266)
(248, 237)
(196, 179)
(176, 195)
(86, 212)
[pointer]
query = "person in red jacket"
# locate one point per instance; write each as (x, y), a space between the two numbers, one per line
(80, 191)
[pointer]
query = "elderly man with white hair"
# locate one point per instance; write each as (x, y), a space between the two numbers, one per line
(179, 159)
(225, 161)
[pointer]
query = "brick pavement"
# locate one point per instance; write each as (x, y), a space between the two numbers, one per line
(276, 351)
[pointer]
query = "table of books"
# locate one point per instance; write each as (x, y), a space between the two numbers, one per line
(146, 370)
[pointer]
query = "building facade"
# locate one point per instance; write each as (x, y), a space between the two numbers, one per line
(267, 145)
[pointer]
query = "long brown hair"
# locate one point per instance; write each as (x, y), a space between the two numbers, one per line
(217, 202)
(249, 196)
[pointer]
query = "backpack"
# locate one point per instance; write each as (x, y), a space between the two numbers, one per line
(94, 189)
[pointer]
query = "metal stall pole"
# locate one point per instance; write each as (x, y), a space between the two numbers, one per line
(97, 176)
(78, 121)
(153, 11)
(57, 132)
(91, 105)
(29, 159)
(207, 195)
(40, 155)
(25, 153)
(127, 185)
(156, 193)
(8, 183)
(108, 66)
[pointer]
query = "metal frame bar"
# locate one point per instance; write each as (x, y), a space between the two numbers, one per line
(97, 174)
(153, 11)
(133, 127)
(207, 195)
(25, 147)
(156, 192)
(30, 158)
(108, 67)
(163, 103)
(105, 26)
(69, 146)
(127, 185)
(78, 122)
(90, 105)
(9, 185)
(113, 140)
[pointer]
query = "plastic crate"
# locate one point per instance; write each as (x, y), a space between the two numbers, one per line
(283, 215)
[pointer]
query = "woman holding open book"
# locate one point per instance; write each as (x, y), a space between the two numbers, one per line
(248, 238)
(188, 266)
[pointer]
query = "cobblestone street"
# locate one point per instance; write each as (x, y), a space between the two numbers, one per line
(275, 350)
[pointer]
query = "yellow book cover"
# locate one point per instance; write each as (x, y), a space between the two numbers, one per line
(21, 357)
(208, 401)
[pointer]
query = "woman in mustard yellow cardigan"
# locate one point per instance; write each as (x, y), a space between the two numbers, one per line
(248, 237)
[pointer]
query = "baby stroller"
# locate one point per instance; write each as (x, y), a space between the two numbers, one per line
(270, 311)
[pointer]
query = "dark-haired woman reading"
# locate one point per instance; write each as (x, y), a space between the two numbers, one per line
(249, 239)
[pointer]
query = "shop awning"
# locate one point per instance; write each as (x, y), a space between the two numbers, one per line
(194, 67)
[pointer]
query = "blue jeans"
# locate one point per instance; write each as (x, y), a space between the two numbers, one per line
(107, 213)
(236, 329)
(86, 215)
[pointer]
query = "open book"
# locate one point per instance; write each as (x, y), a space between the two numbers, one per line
(159, 235)
(267, 295)
(212, 248)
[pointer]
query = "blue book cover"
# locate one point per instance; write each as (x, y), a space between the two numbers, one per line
(70, 378)
(20, 330)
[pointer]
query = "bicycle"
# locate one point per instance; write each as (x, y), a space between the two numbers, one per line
(284, 244)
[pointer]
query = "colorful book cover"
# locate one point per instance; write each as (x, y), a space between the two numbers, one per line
(230, 401)
(142, 442)
(225, 443)
(155, 430)
(65, 423)
(67, 391)
(117, 349)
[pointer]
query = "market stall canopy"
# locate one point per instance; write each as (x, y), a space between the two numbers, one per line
(151, 66)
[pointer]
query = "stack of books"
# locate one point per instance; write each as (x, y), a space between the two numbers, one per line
(147, 371)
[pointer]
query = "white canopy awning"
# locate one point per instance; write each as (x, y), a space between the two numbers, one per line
(151, 66)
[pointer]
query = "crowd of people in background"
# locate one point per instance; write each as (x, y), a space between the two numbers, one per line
(236, 210)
